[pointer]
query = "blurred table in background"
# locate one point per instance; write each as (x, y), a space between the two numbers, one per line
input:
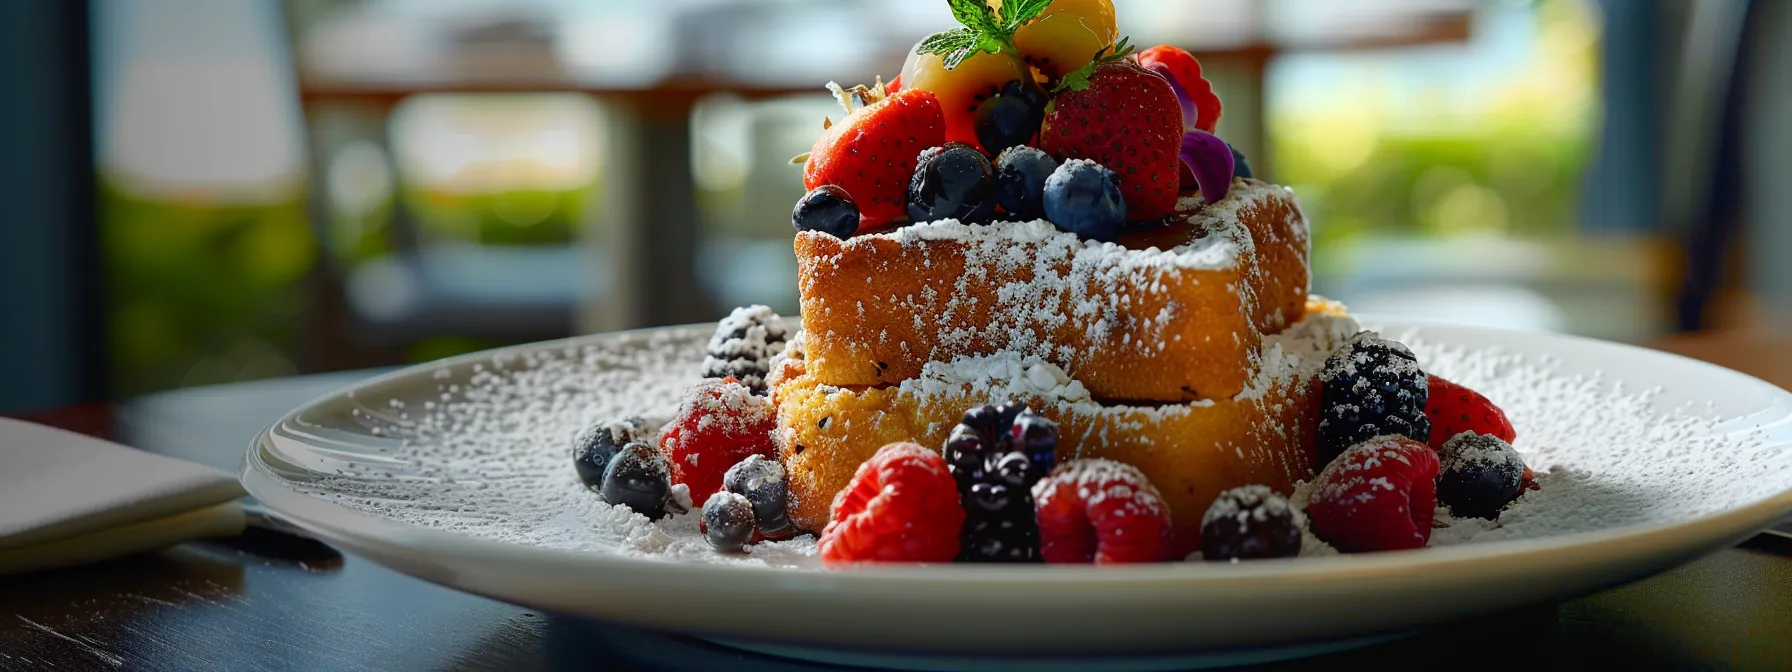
(650, 64)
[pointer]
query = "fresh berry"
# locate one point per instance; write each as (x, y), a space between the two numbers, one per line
(1478, 475)
(717, 424)
(828, 209)
(1201, 105)
(1250, 523)
(871, 153)
(1378, 496)
(1126, 118)
(728, 522)
(901, 506)
(1020, 181)
(1084, 198)
(598, 442)
(1036, 437)
(1100, 511)
(962, 89)
(1067, 35)
(761, 481)
(744, 344)
(638, 478)
(1372, 386)
(1454, 409)
(1010, 118)
(1240, 167)
(954, 181)
(995, 455)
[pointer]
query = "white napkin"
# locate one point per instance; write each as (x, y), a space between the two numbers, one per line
(67, 498)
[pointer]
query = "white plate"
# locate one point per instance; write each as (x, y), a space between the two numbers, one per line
(456, 472)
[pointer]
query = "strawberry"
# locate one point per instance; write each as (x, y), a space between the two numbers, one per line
(871, 153)
(1184, 72)
(1455, 409)
(1126, 118)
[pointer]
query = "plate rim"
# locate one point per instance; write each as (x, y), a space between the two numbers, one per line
(261, 483)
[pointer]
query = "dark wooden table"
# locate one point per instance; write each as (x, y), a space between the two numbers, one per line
(266, 603)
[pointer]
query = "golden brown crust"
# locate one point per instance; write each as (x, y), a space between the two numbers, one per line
(1190, 452)
(1143, 324)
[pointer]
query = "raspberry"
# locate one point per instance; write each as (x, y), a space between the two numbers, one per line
(1249, 523)
(717, 424)
(1100, 511)
(744, 344)
(1372, 386)
(1378, 496)
(1478, 475)
(901, 506)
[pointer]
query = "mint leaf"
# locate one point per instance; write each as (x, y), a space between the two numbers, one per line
(975, 15)
(1078, 79)
(989, 43)
(952, 60)
(945, 43)
(1017, 12)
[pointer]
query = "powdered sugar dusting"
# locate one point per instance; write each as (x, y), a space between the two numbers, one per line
(480, 447)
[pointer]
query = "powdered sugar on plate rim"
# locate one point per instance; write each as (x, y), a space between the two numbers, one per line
(484, 453)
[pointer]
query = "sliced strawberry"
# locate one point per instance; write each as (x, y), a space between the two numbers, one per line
(1454, 409)
(871, 153)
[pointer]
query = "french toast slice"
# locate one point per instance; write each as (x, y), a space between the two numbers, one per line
(1190, 451)
(1170, 313)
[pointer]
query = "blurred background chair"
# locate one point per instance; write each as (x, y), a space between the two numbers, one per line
(301, 185)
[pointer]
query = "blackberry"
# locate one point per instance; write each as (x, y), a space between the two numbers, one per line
(995, 455)
(744, 344)
(1249, 523)
(1371, 387)
(595, 445)
(1478, 474)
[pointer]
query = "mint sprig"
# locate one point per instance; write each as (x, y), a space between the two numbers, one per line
(983, 29)
(1078, 79)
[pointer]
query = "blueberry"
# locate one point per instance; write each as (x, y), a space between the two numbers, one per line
(638, 478)
(1240, 167)
(828, 209)
(1478, 475)
(1037, 437)
(595, 445)
(727, 521)
(1006, 121)
(761, 481)
(953, 181)
(1248, 523)
(1020, 181)
(1083, 197)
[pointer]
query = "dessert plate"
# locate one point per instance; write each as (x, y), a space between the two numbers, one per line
(457, 472)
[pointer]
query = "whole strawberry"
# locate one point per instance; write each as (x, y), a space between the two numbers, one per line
(1455, 409)
(1127, 118)
(871, 153)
